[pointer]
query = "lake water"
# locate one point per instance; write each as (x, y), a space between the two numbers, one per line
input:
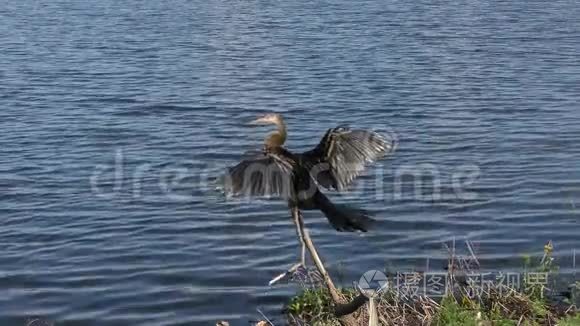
(113, 114)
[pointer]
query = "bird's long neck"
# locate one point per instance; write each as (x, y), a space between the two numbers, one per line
(278, 137)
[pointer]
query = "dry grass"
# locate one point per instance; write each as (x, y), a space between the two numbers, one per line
(496, 305)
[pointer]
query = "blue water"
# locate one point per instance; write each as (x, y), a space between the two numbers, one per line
(484, 98)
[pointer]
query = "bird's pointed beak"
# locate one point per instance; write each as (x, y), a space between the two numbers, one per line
(259, 121)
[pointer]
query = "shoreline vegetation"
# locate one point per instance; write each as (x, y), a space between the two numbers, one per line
(314, 307)
(531, 304)
(534, 304)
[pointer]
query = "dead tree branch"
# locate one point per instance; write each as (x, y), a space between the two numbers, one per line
(338, 300)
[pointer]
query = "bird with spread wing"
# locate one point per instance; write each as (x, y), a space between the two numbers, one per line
(297, 178)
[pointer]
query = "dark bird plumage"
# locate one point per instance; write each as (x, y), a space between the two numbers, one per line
(334, 163)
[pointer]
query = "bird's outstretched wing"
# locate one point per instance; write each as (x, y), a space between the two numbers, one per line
(268, 175)
(342, 155)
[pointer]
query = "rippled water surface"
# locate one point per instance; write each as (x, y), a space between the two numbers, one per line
(114, 113)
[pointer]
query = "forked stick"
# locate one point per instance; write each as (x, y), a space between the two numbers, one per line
(346, 320)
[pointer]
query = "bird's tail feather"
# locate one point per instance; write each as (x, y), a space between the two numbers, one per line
(342, 217)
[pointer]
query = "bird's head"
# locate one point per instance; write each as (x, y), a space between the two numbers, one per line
(270, 118)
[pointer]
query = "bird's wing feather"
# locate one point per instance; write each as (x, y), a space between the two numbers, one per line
(268, 175)
(342, 155)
